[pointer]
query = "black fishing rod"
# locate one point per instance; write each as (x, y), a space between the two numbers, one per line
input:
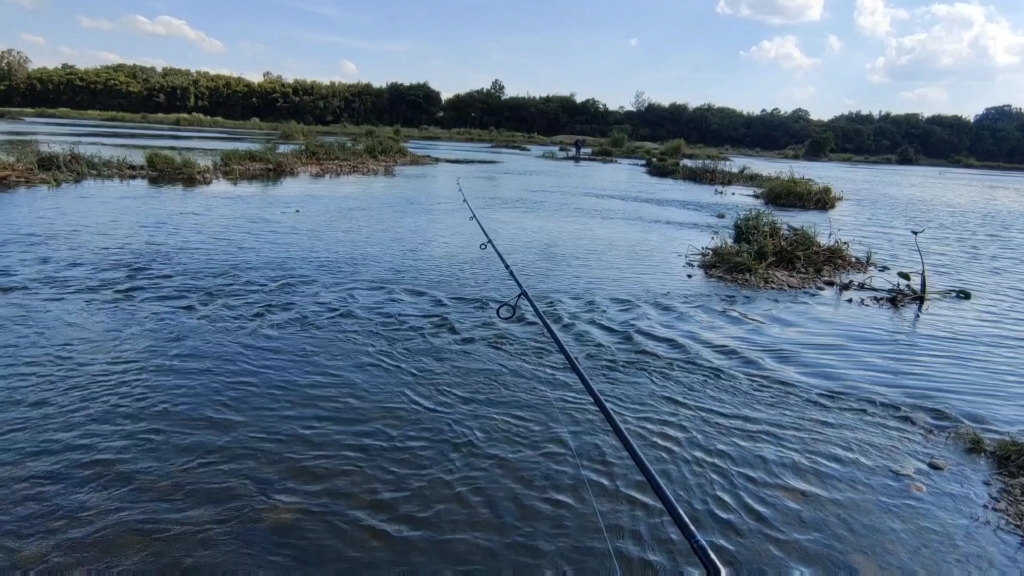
(697, 544)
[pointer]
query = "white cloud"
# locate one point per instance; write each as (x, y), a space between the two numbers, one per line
(926, 94)
(963, 41)
(154, 62)
(774, 11)
(801, 92)
(30, 4)
(348, 68)
(875, 18)
(783, 50)
(106, 56)
(849, 101)
(632, 41)
(67, 52)
(172, 28)
(33, 39)
(832, 44)
(95, 24)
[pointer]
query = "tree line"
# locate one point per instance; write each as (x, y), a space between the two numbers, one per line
(994, 135)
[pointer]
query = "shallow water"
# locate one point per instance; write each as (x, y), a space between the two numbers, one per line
(310, 374)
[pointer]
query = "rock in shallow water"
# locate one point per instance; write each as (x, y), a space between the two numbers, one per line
(936, 464)
(902, 470)
(918, 487)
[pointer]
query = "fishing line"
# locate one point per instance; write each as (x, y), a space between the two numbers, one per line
(579, 463)
(697, 544)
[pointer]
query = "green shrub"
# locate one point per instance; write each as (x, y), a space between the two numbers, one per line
(617, 141)
(820, 145)
(907, 155)
(603, 151)
(795, 192)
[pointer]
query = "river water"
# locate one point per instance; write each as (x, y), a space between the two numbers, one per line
(310, 374)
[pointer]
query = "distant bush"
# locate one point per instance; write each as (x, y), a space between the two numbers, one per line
(820, 145)
(604, 151)
(907, 155)
(794, 192)
(617, 141)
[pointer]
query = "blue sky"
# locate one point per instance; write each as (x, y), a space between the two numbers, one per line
(828, 56)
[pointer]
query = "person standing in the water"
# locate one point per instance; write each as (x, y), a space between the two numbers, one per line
(578, 144)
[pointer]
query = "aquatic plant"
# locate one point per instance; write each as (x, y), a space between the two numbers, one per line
(178, 168)
(765, 252)
(26, 163)
(897, 294)
(603, 151)
(782, 190)
(295, 132)
(792, 191)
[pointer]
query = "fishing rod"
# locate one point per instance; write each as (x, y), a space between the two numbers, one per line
(697, 544)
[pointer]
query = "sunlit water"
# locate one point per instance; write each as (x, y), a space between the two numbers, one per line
(310, 374)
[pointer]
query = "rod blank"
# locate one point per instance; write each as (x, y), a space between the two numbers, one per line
(697, 544)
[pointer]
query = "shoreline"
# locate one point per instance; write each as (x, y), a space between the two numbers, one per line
(297, 132)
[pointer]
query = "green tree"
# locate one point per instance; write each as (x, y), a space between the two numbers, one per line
(497, 89)
(820, 145)
(14, 64)
(907, 155)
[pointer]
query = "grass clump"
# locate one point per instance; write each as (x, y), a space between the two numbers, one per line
(372, 153)
(295, 132)
(766, 253)
(1008, 456)
(24, 163)
(792, 191)
(164, 166)
(969, 438)
(782, 190)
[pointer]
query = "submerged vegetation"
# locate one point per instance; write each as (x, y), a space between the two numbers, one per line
(766, 253)
(782, 190)
(1007, 454)
(25, 163)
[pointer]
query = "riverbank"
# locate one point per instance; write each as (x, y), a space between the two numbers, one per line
(25, 164)
(290, 130)
(889, 160)
(612, 146)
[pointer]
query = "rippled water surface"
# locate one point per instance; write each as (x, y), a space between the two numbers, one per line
(310, 374)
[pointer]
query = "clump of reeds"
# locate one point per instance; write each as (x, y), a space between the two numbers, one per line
(295, 132)
(26, 163)
(177, 168)
(782, 190)
(792, 191)
(764, 252)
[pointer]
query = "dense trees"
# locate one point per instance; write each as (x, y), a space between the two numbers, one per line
(995, 135)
